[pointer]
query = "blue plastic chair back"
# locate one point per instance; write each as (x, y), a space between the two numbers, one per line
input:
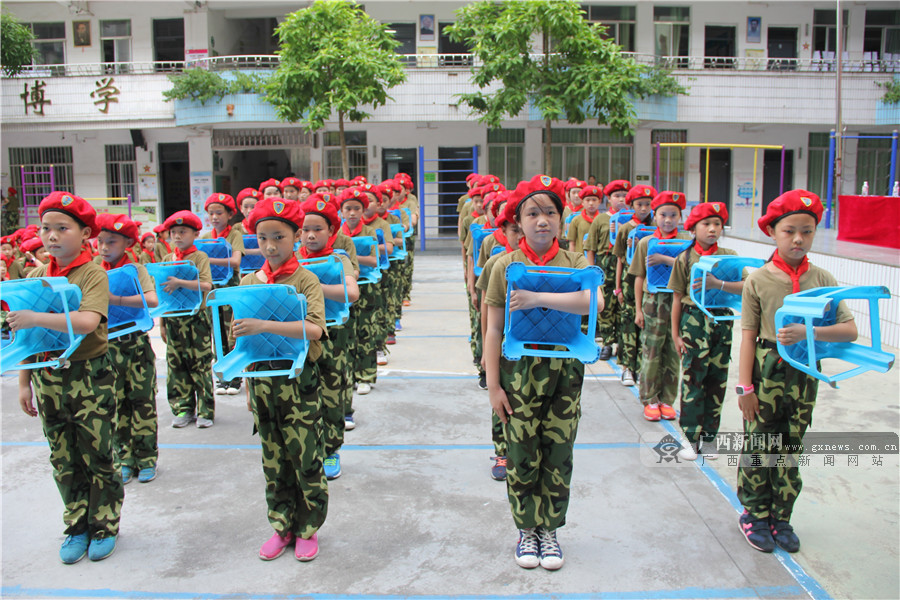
(726, 268)
(383, 260)
(658, 275)
(182, 301)
(569, 220)
(411, 230)
(330, 271)
(270, 302)
(616, 221)
(478, 238)
(46, 295)
(251, 263)
(498, 249)
(123, 320)
(545, 328)
(367, 274)
(399, 254)
(817, 307)
(218, 248)
(636, 235)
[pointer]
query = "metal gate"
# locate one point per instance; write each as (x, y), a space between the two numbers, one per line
(442, 181)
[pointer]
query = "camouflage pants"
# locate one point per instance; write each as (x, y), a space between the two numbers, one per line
(786, 401)
(391, 286)
(704, 372)
(350, 353)
(189, 358)
(334, 381)
(608, 319)
(475, 341)
(659, 361)
(367, 330)
(78, 412)
(288, 416)
(630, 345)
(545, 397)
(497, 435)
(136, 423)
(407, 272)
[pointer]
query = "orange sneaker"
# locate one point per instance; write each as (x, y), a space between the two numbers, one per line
(651, 412)
(406, 303)
(667, 412)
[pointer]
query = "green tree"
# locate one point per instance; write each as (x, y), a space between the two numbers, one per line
(334, 59)
(16, 51)
(545, 52)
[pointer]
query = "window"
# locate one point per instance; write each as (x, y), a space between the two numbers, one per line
(506, 148)
(356, 154)
(405, 33)
(121, 171)
(115, 39)
(873, 164)
(720, 47)
(50, 44)
(817, 167)
(618, 20)
(584, 152)
(38, 161)
(671, 30)
(825, 31)
(672, 161)
(882, 37)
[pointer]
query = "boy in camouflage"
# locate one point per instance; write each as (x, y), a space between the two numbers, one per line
(775, 399)
(77, 403)
(288, 411)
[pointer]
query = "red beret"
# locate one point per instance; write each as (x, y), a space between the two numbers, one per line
(663, 198)
(341, 183)
(575, 183)
(120, 224)
(8, 239)
(705, 210)
(224, 199)
(358, 179)
(30, 245)
(617, 185)
(247, 193)
(404, 180)
(159, 228)
(372, 189)
(489, 192)
(147, 235)
(321, 183)
(322, 205)
(354, 193)
(639, 191)
(183, 218)
(291, 181)
(76, 207)
(471, 176)
(386, 190)
(790, 202)
(270, 183)
(488, 180)
(537, 184)
(475, 191)
(591, 190)
(277, 209)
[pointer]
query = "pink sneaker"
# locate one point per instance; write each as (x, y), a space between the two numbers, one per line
(307, 550)
(275, 546)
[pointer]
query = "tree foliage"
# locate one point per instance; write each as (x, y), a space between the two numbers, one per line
(16, 51)
(334, 58)
(891, 91)
(204, 85)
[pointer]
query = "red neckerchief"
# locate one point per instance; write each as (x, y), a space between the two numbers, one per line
(150, 254)
(179, 255)
(585, 216)
(326, 251)
(532, 255)
(665, 236)
(792, 273)
(501, 238)
(634, 218)
(366, 221)
(216, 235)
(346, 229)
(168, 247)
(285, 270)
(699, 249)
(122, 261)
(54, 270)
(395, 206)
(7, 259)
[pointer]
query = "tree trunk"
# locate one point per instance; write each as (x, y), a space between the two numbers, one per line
(345, 162)
(548, 153)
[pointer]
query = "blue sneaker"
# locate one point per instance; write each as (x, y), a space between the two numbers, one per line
(333, 466)
(147, 474)
(102, 548)
(127, 474)
(74, 548)
(498, 471)
(397, 325)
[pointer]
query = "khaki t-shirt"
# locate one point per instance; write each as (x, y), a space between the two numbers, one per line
(680, 279)
(484, 280)
(578, 228)
(638, 266)
(160, 251)
(496, 291)
(94, 285)
(764, 293)
(487, 246)
(201, 260)
(469, 244)
(598, 235)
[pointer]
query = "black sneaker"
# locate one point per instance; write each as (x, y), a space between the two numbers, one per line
(784, 536)
(482, 382)
(606, 353)
(757, 532)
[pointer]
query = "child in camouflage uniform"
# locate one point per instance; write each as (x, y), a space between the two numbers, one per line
(775, 399)
(288, 411)
(537, 399)
(77, 403)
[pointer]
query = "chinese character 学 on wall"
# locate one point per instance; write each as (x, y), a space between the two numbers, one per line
(105, 93)
(35, 98)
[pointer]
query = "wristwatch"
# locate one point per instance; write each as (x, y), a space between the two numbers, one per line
(743, 390)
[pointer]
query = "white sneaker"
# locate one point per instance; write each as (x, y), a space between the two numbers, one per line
(221, 389)
(380, 358)
(234, 388)
(627, 377)
(689, 451)
(363, 389)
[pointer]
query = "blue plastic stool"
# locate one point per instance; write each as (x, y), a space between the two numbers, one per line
(726, 268)
(498, 249)
(409, 220)
(478, 238)
(251, 263)
(270, 302)
(616, 221)
(569, 220)
(635, 236)
(658, 275)
(218, 248)
(542, 326)
(383, 259)
(817, 307)
(182, 301)
(123, 320)
(46, 295)
(330, 271)
(399, 254)
(367, 274)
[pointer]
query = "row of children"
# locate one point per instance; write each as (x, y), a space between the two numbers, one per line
(536, 401)
(99, 411)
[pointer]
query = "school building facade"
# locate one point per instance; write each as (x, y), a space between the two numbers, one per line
(757, 74)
